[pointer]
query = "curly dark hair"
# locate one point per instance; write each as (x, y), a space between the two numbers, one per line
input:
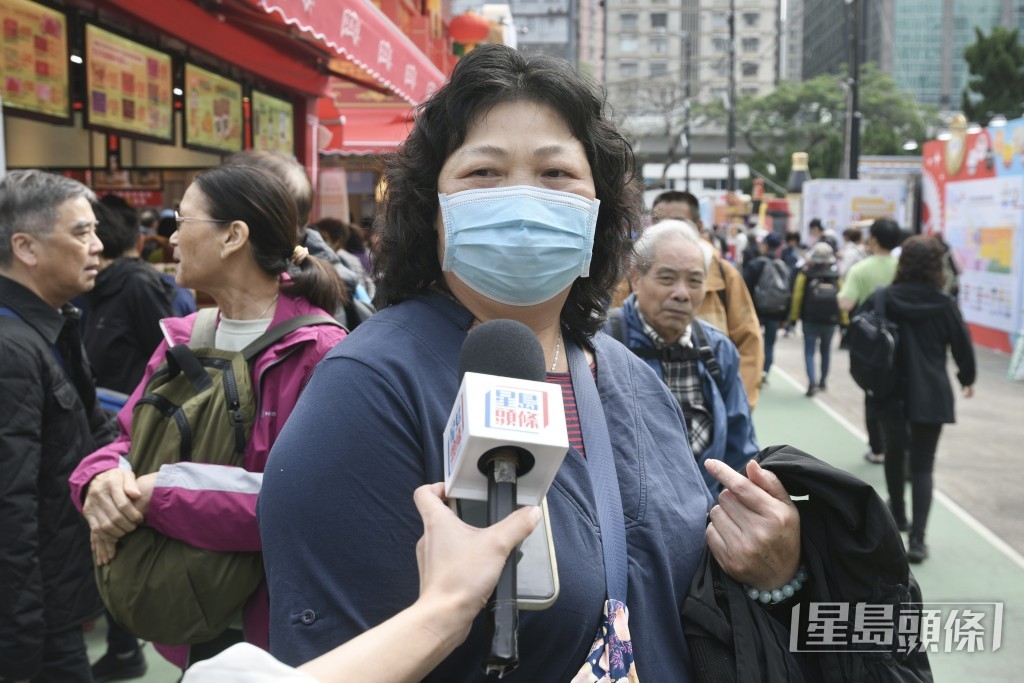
(921, 262)
(406, 263)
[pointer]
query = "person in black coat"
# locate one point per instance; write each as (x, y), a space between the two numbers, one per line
(771, 321)
(125, 307)
(929, 323)
(49, 253)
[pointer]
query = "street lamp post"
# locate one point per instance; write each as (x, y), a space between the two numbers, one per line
(685, 36)
(852, 146)
(730, 183)
(685, 137)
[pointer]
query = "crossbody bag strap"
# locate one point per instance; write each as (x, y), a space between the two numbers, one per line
(603, 477)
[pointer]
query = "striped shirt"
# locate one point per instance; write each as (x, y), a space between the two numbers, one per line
(572, 414)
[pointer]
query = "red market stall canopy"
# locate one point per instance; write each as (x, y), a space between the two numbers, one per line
(362, 34)
(357, 121)
(368, 131)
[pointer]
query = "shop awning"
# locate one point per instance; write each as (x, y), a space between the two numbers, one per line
(362, 34)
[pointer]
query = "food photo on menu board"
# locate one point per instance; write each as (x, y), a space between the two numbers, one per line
(129, 86)
(34, 59)
(273, 123)
(213, 111)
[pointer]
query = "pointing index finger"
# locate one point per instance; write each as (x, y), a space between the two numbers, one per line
(747, 492)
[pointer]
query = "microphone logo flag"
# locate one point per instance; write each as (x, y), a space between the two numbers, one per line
(516, 410)
(493, 412)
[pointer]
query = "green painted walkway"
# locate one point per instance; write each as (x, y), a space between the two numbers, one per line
(964, 566)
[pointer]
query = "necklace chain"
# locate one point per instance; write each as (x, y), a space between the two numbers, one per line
(272, 302)
(558, 347)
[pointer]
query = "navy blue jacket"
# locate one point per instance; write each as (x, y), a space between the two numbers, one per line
(733, 440)
(339, 527)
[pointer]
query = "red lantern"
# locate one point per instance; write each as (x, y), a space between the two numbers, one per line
(469, 28)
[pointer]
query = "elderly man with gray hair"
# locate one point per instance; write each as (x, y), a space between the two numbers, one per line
(696, 360)
(49, 253)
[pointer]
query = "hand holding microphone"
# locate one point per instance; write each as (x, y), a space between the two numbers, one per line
(504, 442)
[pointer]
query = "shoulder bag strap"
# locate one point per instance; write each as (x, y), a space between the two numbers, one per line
(603, 477)
(283, 329)
(617, 327)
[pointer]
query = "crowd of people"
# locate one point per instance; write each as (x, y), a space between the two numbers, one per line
(308, 465)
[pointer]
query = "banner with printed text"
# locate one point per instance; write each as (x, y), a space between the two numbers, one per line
(213, 110)
(973, 193)
(128, 85)
(34, 59)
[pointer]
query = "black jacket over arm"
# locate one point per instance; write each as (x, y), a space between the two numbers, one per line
(852, 552)
(46, 572)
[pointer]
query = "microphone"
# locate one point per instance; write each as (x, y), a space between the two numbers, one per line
(504, 442)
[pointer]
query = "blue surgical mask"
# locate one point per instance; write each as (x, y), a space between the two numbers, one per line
(518, 245)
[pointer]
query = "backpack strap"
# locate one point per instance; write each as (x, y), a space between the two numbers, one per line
(706, 353)
(880, 292)
(204, 331)
(278, 332)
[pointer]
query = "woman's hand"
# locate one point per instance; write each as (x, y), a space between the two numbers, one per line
(460, 564)
(969, 391)
(145, 484)
(754, 532)
(109, 503)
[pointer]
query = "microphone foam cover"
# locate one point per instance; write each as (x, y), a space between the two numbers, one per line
(505, 348)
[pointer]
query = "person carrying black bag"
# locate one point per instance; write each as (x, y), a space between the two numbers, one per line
(929, 323)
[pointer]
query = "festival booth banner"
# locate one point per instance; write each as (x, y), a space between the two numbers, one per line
(842, 203)
(273, 123)
(213, 111)
(34, 60)
(128, 86)
(973, 193)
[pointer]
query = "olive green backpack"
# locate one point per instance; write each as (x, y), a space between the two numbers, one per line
(199, 406)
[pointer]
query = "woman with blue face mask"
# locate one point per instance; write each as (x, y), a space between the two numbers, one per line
(513, 197)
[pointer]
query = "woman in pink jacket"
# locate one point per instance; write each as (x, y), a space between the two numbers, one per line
(237, 240)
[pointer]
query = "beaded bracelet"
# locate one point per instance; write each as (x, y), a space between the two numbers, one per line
(779, 594)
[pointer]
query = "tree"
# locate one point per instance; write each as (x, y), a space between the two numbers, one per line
(996, 64)
(810, 117)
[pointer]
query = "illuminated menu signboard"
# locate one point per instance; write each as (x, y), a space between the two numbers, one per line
(34, 59)
(128, 86)
(213, 111)
(273, 123)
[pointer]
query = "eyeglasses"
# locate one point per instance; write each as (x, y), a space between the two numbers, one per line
(179, 219)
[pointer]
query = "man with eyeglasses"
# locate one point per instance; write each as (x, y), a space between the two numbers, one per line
(49, 253)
